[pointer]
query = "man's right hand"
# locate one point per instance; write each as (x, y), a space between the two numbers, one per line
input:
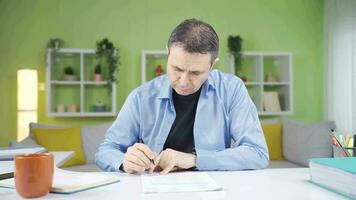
(137, 159)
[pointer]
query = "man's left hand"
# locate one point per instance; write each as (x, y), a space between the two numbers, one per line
(172, 160)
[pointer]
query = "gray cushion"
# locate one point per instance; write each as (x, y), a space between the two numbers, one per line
(282, 164)
(92, 136)
(304, 141)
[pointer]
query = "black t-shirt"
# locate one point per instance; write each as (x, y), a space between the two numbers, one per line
(181, 137)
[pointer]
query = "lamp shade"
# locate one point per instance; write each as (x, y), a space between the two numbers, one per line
(26, 90)
(26, 101)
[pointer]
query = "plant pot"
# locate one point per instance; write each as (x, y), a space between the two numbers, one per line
(67, 77)
(60, 108)
(99, 108)
(98, 77)
(72, 108)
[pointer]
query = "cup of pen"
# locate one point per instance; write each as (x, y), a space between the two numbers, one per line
(33, 174)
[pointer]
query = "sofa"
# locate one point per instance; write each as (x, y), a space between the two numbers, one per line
(290, 143)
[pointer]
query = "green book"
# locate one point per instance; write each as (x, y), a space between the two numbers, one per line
(335, 174)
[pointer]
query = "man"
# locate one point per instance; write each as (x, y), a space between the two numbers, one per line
(187, 118)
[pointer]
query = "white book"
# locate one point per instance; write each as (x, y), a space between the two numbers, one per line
(69, 181)
(179, 182)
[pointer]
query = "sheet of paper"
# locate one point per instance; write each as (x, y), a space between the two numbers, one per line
(178, 182)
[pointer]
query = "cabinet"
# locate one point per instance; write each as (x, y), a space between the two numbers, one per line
(79, 95)
(150, 60)
(269, 80)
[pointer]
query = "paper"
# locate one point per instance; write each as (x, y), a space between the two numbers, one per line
(179, 182)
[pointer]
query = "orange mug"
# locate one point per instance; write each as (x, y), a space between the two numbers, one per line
(33, 174)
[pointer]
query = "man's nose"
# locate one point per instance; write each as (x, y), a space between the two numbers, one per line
(184, 80)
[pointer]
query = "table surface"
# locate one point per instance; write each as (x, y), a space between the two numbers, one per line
(288, 183)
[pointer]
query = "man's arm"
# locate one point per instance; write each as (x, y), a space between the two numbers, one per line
(122, 134)
(245, 129)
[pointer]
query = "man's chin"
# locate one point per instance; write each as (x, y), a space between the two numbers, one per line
(184, 92)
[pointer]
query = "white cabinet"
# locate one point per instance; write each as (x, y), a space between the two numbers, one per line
(150, 60)
(269, 80)
(81, 95)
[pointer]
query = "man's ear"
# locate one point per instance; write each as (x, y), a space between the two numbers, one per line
(215, 61)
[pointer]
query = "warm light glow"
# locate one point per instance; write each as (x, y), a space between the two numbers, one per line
(26, 101)
(26, 89)
(23, 120)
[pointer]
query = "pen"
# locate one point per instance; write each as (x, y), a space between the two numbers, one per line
(152, 160)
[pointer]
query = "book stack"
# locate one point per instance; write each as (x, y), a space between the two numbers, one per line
(335, 174)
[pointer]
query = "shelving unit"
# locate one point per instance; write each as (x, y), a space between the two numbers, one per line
(256, 67)
(84, 92)
(149, 60)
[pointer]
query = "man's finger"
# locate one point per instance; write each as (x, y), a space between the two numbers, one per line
(131, 167)
(144, 160)
(167, 169)
(146, 150)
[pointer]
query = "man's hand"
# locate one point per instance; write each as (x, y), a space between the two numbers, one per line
(171, 160)
(138, 158)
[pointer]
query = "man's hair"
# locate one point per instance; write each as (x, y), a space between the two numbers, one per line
(195, 36)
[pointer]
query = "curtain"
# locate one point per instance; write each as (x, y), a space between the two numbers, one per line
(340, 64)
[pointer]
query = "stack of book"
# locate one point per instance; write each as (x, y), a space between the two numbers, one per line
(335, 174)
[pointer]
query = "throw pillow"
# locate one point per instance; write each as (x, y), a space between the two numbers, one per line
(273, 135)
(304, 141)
(61, 139)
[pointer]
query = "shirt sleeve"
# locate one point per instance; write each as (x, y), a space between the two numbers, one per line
(122, 134)
(250, 151)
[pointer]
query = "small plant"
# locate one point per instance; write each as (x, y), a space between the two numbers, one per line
(55, 43)
(68, 70)
(97, 69)
(106, 49)
(235, 46)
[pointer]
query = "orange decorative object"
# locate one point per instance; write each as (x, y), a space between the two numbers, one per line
(159, 71)
(34, 174)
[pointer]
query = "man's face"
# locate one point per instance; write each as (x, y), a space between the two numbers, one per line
(187, 71)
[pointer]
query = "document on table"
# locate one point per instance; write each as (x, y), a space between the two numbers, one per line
(179, 182)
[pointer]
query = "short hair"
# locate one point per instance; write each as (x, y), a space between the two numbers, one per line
(195, 36)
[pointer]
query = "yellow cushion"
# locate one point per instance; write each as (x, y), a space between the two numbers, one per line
(61, 139)
(273, 135)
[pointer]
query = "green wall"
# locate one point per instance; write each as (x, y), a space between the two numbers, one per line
(265, 25)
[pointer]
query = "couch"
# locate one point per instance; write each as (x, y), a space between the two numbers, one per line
(294, 141)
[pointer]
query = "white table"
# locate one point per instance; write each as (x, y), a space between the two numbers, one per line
(291, 183)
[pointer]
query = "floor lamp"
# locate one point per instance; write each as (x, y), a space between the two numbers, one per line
(26, 101)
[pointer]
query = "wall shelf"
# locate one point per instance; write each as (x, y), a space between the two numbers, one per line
(83, 92)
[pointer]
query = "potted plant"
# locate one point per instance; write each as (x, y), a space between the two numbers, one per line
(97, 73)
(99, 107)
(69, 74)
(106, 49)
(235, 46)
(55, 44)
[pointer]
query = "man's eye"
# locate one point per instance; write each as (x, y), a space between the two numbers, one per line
(177, 69)
(195, 73)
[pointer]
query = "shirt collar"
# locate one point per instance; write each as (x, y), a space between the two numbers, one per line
(166, 90)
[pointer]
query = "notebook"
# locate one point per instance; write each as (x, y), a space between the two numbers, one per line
(335, 174)
(67, 182)
(178, 182)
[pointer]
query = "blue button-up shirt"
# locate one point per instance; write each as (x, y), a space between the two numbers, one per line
(225, 112)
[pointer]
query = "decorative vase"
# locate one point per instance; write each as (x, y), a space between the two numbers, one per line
(72, 108)
(99, 107)
(60, 108)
